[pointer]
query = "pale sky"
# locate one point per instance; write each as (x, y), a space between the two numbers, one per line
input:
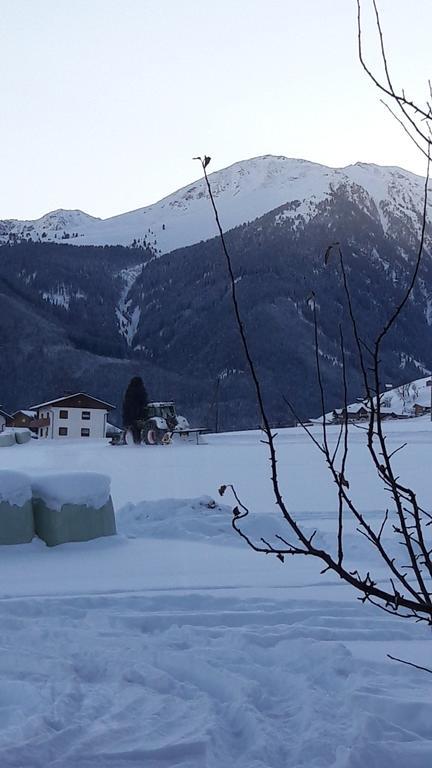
(105, 102)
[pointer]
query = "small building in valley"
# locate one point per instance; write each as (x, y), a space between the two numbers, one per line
(112, 430)
(23, 419)
(4, 419)
(355, 412)
(73, 416)
(421, 410)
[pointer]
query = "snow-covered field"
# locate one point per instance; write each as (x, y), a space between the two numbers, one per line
(174, 646)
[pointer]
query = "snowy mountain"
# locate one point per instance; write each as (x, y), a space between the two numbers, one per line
(244, 191)
(88, 317)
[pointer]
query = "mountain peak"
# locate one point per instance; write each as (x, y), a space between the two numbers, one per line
(244, 191)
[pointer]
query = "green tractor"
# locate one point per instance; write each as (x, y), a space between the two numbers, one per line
(160, 422)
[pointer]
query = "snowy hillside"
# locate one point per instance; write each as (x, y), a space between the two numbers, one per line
(244, 191)
(408, 400)
(402, 400)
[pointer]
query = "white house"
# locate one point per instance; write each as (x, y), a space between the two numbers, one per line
(4, 417)
(72, 416)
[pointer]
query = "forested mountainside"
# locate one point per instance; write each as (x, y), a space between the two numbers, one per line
(87, 318)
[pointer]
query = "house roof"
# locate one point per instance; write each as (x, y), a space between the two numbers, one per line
(353, 408)
(30, 414)
(71, 397)
(113, 427)
(6, 415)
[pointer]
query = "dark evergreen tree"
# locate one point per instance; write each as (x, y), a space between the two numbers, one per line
(134, 402)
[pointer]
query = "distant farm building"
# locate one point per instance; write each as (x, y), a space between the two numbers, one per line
(4, 419)
(72, 416)
(112, 430)
(421, 410)
(360, 412)
(352, 413)
(23, 419)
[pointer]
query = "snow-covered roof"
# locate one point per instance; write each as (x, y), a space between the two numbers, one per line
(30, 414)
(69, 397)
(353, 408)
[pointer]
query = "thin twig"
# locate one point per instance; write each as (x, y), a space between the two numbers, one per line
(409, 663)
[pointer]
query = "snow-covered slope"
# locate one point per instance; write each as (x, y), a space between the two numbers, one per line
(244, 191)
(408, 400)
(402, 400)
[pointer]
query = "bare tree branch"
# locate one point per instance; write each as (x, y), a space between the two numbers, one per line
(409, 575)
(409, 663)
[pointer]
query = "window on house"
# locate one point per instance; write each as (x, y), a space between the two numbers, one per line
(85, 415)
(85, 432)
(63, 431)
(41, 432)
(46, 432)
(63, 414)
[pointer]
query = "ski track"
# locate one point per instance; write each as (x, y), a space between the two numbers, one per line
(197, 680)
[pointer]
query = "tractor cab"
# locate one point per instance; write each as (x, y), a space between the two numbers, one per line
(163, 410)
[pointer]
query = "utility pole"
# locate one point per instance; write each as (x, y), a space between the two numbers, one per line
(217, 404)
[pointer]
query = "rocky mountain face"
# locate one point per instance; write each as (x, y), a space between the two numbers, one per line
(77, 316)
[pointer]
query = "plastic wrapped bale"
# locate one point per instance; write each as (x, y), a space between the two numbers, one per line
(73, 506)
(7, 439)
(22, 435)
(16, 513)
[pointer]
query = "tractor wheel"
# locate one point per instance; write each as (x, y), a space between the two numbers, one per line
(152, 435)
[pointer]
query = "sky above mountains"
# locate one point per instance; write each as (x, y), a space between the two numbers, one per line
(105, 103)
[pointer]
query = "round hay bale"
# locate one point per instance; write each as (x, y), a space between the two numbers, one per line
(22, 436)
(16, 512)
(7, 439)
(72, 506)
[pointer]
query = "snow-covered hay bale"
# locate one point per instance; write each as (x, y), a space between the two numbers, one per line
(16, 513)
(7, 439)
(76, 506)
(22, 436)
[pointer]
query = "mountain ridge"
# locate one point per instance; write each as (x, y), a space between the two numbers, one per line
(93, 315)
(244, 191)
